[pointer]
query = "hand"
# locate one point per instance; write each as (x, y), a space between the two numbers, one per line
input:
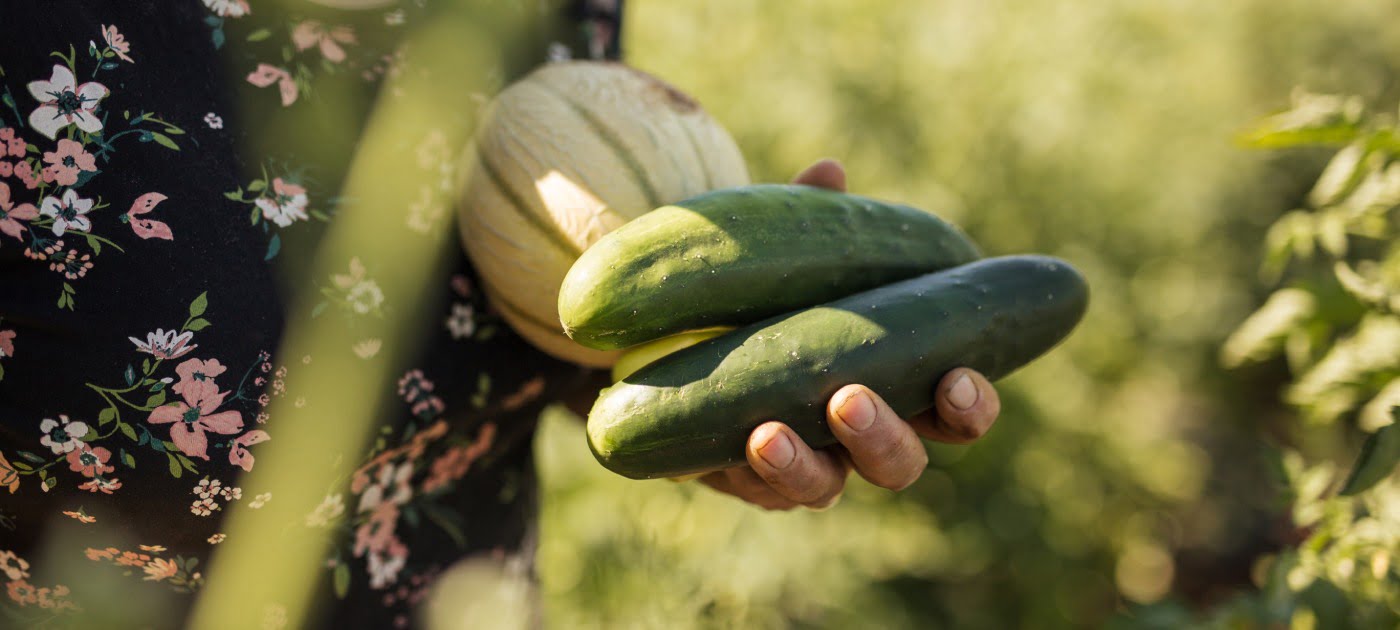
(784, 472)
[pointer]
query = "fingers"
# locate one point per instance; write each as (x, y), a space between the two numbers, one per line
(744, 483)
(792, 469)
(883, 447)
(826, 173)
(965, 406)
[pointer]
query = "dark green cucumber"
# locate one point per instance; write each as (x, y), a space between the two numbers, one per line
(735, 256)
(692, 411)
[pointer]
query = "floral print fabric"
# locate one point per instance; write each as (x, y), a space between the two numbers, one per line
(150, 225)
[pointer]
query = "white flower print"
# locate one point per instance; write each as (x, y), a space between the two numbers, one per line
(365, 297)
(203, 507)
(367, 348)
(329, 509)
(260, 500)
(462, 322)
(214, 121)
(207, 488)
(228, 8)
(68, 212)
(384, 568)
(166, 344)
(62, 102)
(61, 435)
(393, 482)
(286, 205)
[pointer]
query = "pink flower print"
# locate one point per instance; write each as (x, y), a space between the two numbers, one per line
(238, 454)
(228, 8)
(92, 462)
(6, 169)
(101, 484)
(160, 568)
(13, 566)
(286, 205)
(71, 265)
(165, 344)
(65, 164)
(61, 435)
(62, 102)
(25, 172)
(11, 144)
(11, 215)
(311, 33)
(117, 42)
(192, 417)
(148, 228)
(197, 378)
(68, 212)
(265, 75)
(7, 343)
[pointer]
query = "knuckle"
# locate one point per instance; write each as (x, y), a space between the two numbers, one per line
(966, 428)
(901, 471)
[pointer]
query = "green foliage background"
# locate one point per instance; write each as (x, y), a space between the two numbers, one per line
(1132, 479)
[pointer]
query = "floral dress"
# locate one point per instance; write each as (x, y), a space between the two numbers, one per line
(159, 198)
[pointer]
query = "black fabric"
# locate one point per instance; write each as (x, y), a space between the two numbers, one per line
(205, 133)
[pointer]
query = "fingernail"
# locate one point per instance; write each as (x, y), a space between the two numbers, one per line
(963, 394)
(778, 451)
(857, 412)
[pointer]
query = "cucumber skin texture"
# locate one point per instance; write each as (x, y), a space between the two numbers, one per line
(735, 256)
(693, 410)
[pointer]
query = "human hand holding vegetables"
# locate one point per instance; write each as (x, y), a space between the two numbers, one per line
(784, 473)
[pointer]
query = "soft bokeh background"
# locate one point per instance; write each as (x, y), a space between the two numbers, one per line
(1131, 479)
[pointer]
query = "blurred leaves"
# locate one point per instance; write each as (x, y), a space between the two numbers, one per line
(1127, 472)
(1346, 366)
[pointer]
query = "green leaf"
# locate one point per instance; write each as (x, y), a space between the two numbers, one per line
(145, 366)
(185, 461)
(95, 244)
(259, 35)
(235, 195)
(273, 246)
(31, 457)
(257, 185)
(130, 375)
(21, 466)
(51, 482)
(128, 431)
(342, 580)
(199, 304)
(128, 459)
(175, 470)
(157, 399)
(255, 215)
(198, 324)
(164, 140)
(106, 415)
(1378, 458)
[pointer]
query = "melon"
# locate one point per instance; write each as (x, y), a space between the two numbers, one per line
(565, 155)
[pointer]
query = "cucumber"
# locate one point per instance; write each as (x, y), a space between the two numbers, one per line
(693, 410)
(637, 357)
(735, 256)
